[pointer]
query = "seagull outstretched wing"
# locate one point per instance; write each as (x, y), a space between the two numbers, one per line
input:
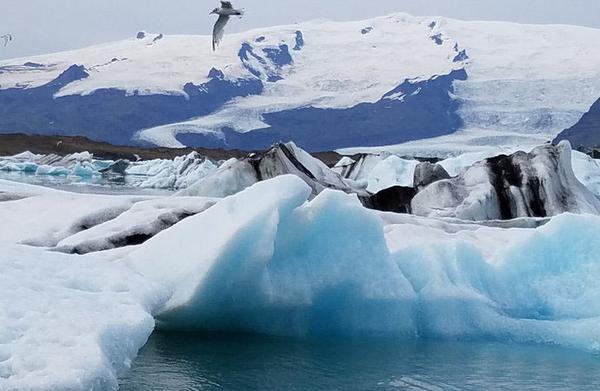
(226, 4)
(219, 30)
(7, 38)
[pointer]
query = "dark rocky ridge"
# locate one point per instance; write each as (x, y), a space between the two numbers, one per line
(585, 134)
(427, 110)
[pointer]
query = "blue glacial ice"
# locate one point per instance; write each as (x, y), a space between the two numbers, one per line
(267, 260)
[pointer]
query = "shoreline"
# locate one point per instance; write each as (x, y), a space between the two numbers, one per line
(15, 143)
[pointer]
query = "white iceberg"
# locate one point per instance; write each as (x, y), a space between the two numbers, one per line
(178, 173)
(44, 217)
(68, 323)
(270, 262)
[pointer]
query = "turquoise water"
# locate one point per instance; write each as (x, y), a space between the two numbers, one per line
(176, 361)
(94, 184)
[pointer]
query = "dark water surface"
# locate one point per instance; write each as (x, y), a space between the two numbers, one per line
(176, 361)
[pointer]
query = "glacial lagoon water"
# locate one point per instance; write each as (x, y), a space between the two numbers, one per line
(180, 361)
(93, 184)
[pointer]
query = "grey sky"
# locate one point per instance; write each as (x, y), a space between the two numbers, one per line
(42, 26)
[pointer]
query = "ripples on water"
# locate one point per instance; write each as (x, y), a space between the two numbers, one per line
(173, 361)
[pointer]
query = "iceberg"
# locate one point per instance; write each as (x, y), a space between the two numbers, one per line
(527, 285)
(376, 172)
(272, 263)
(68, 323)
(134, 226)
(536, 184)
(288, 266)
(587, 171)
(43, 216)
(178, 173)
(237, 174)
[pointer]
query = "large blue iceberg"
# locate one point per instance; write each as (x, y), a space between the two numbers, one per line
(267, 260)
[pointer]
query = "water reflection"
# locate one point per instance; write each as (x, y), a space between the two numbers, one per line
(172, 361)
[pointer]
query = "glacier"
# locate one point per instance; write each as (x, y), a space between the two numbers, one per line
(495, 230)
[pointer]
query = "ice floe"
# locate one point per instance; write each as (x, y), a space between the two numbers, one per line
(69, 323)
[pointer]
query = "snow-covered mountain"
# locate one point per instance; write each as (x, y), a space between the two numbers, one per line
(324, 85)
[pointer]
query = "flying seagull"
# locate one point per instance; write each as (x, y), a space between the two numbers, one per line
(7, 38)
(225, 11)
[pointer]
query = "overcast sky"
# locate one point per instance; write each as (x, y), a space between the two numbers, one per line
(43, 26)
